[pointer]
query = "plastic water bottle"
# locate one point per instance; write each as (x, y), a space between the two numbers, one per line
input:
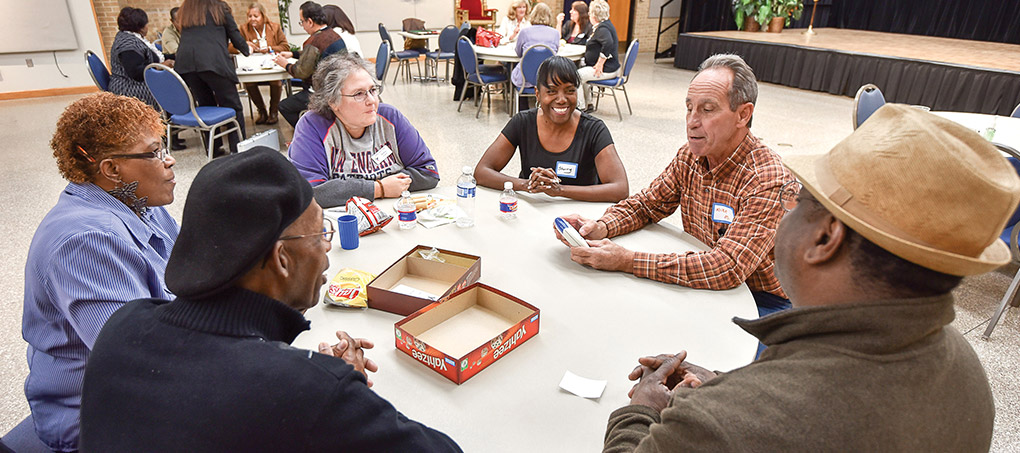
(508, 202)
(406, 214)
(466, 197)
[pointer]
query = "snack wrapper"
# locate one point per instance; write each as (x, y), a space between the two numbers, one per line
(348, 289)
(370, 217)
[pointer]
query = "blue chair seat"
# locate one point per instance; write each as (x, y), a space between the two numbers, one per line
(528, 90)
(487, 78)
(210, 115)
(404, 54)
(440, 55)
(608, 82)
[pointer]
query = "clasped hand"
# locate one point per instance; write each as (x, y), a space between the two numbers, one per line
(351, 350)
(658, 376)
(543, 180)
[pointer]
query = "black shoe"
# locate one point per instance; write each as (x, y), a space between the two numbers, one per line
(589, 109)
(177, 145)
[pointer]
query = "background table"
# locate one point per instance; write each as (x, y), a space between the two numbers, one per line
(1007, 129)
(250, 69)
(593, 323)
(508, 52)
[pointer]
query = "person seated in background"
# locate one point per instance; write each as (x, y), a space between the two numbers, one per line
(726, 184)
(867, 359)
(601, 51)
(578, 29)
(313, 21)
(516, 20)
(540, 32)
(172, 34)
(214, 370)
(105, 242)
(130, 54)
(337, 19)
(564, 152)
(349, 144)
(264, 37)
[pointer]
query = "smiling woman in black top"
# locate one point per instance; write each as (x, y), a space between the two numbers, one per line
(564, 152)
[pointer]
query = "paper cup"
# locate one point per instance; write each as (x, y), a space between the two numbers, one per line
(348, 225)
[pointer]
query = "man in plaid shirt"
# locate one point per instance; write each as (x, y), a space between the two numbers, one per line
(726, 184)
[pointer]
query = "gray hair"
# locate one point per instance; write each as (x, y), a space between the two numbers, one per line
(329, 79)
(744, 87)
(599, 9)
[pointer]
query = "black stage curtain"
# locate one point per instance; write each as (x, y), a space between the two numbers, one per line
(981, 20)
(936, 85)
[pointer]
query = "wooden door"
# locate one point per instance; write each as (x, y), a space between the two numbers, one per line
(619, 14)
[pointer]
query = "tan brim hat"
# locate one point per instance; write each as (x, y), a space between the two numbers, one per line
(919, 186)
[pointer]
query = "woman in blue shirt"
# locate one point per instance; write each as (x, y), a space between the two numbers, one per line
(106, 242)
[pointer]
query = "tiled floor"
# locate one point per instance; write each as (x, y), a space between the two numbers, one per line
(791, 120)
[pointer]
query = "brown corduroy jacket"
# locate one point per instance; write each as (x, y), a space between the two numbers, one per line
(891, 376)
(275, 38)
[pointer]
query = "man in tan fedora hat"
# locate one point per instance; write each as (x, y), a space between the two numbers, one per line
(885, 226)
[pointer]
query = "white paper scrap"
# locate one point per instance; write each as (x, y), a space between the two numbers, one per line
(583, 387)
(414, 292)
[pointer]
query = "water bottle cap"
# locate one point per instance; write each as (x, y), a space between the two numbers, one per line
(467, 170)
(405, 193)
(508, 185)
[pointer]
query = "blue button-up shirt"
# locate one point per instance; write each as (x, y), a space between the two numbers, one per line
(90, 255)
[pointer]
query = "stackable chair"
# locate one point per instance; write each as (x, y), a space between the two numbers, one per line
(175, 98)
(382, 64)
(97, 69)
(618, 83)
(868, 99)
(1016, 112)
(475, 76)
(403, 57)
(1009, 236)
(447, 46)
(532, 59)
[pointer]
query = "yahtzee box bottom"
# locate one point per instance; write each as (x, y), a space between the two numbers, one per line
(467, 332)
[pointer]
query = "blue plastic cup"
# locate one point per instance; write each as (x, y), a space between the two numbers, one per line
(348, 225)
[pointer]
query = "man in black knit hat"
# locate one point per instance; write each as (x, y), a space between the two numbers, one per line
(213, 370)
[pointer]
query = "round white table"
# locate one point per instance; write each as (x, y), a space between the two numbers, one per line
(508, 52)
(594, 323)
(256, 68)
(1007, 129)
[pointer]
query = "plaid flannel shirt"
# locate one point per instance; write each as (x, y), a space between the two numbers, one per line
(749, 182)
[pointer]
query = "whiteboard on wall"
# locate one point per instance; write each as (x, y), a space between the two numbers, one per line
(367, 14)
(36, 26)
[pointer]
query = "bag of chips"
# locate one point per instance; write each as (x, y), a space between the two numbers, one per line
(349, 289)
(370, 217)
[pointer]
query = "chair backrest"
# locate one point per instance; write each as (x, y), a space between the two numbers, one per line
(169, 89)
(868, 99)
(448, 38)
(412, 24)
(532, 59)
(1016, 112)
(385, 35)
(382, 61)
(474, 8)
(337, 46)
(97, 69)
(630, 58)
(467, 56)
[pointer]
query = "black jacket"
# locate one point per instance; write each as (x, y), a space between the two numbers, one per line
(204, 48)
(603, 40)
(220, 375)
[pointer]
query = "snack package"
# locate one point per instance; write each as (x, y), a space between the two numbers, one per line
(370, 217)
(348, 289)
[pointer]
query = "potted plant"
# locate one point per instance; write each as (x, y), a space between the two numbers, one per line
(748, 9)
(779, 13)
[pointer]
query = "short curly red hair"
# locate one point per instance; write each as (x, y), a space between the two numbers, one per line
(100, 124)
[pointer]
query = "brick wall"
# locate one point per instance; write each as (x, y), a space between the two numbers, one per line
(645, 29)
(159, 14)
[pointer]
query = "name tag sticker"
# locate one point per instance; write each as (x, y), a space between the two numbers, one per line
(722, 213)
(566, 169)
(381, 154)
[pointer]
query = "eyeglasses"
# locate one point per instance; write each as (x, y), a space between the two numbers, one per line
(327, 232)
(160, 154)
(362, 95)
(789, 195)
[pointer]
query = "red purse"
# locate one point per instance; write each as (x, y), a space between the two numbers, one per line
(487, 38)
